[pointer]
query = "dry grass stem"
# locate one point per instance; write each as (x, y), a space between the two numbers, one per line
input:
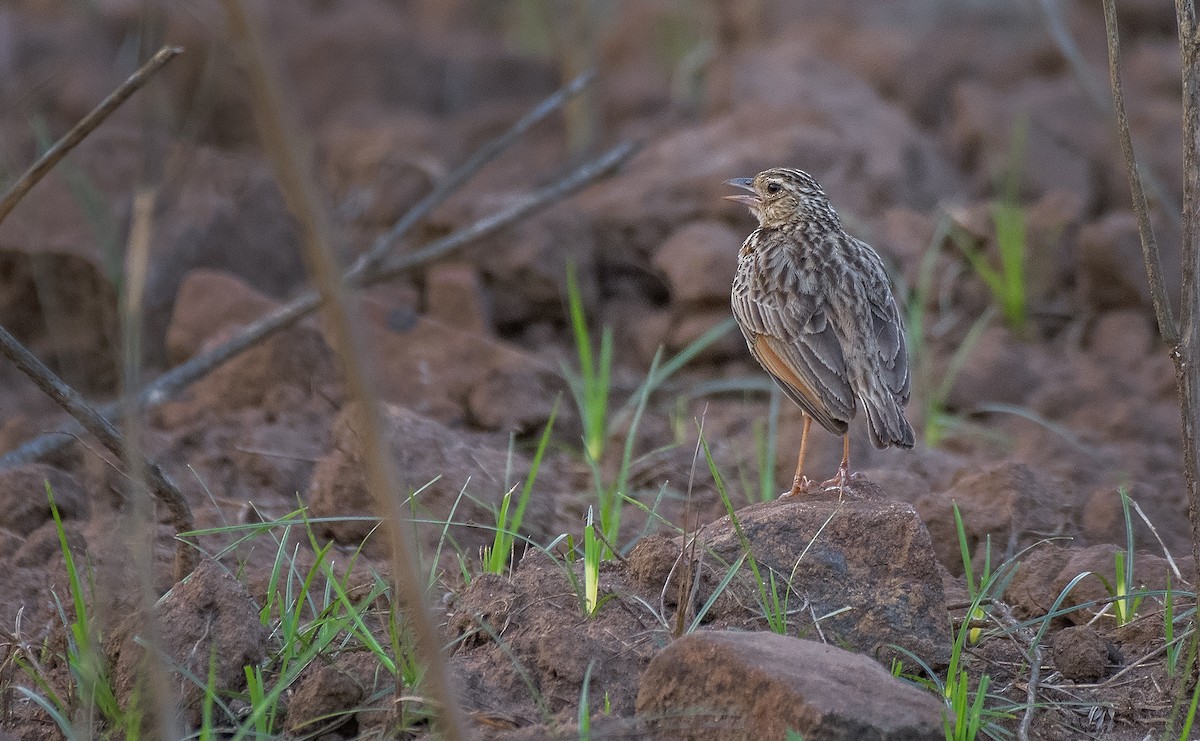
(294, 174)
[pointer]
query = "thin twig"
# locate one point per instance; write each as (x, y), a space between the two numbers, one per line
(79, 131)
(1158, 291)
(179, 514)
(294, 174)
(197, 367)
(476, 162)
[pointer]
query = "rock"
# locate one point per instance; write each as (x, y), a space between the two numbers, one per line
(1063, 137)
(998, 369)
(447, 373)
(210, 304)
(1007, 502)
(525, 273)
(1047, 570)
(914, 57)
(61, 306)
(24, 501)
(1112, 273)
(225, 213)
(206, 618)
(454, 296)
(433, 460)
(1080, 653)
(725, 685)
(535, 621)
(330, 695)
(1051, 223)
(699, 261)
(297, 359)
(378, 168)
(791, 107)
(513, 400)
(693, 325)
(874, 557)
(278, 456)
(908, 235)
(1123, 339)
(43, 545)
(868, 155)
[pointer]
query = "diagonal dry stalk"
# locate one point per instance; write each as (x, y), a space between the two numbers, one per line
(179, 515)
(294, 173)
(141, 468)
(372, 269)
(79, 131)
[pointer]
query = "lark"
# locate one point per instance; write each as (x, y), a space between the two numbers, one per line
(817, 311)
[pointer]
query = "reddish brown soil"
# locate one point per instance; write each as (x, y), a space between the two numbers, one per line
(903, 112)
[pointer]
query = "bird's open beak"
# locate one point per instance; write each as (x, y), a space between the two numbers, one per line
(752, 200)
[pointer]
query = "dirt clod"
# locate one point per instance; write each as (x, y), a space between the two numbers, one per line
(209, 617)
(1080, 653)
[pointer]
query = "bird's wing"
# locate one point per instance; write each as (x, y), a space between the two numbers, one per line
(888, 326)
(791, 338)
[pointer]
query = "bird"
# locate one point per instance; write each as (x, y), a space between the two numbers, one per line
(818, 313)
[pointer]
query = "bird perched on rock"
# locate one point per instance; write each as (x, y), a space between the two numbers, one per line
(818, 314)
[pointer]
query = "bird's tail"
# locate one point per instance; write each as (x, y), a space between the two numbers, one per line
(886, 423)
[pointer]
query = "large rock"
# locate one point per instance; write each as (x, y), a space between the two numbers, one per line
(326, 692)
(998, 368)
(725, 685)
(699, 261)
(1008, 503)
(1048, 570)
(62, 306)
(871, 556)
(791, 107)
(1063, 136)
(530, 632)
(210, 305)
(225, 213)
(452, 374)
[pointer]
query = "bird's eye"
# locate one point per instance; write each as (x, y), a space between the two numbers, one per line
(773, 187)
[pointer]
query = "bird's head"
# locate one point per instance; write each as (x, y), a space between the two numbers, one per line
(782, 196)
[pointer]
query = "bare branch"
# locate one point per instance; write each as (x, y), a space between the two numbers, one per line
(197, 367)
(179, 514)
(1158, 292)
(466, 170)
(79, 131)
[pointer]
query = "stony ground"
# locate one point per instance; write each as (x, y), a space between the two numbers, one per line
(910, 115)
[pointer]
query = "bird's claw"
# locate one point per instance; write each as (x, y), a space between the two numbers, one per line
(799, 484)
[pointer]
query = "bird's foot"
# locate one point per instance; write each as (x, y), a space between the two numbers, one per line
(839, 481)
(799, 484)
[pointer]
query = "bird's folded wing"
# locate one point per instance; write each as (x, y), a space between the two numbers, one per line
(797, 346)
(889, 338)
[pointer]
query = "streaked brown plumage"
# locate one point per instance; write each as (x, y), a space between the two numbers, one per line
(818, 314)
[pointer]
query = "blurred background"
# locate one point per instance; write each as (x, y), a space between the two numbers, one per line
(969, 142)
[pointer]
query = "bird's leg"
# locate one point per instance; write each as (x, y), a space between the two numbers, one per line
(799, 481)
(843, 473)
